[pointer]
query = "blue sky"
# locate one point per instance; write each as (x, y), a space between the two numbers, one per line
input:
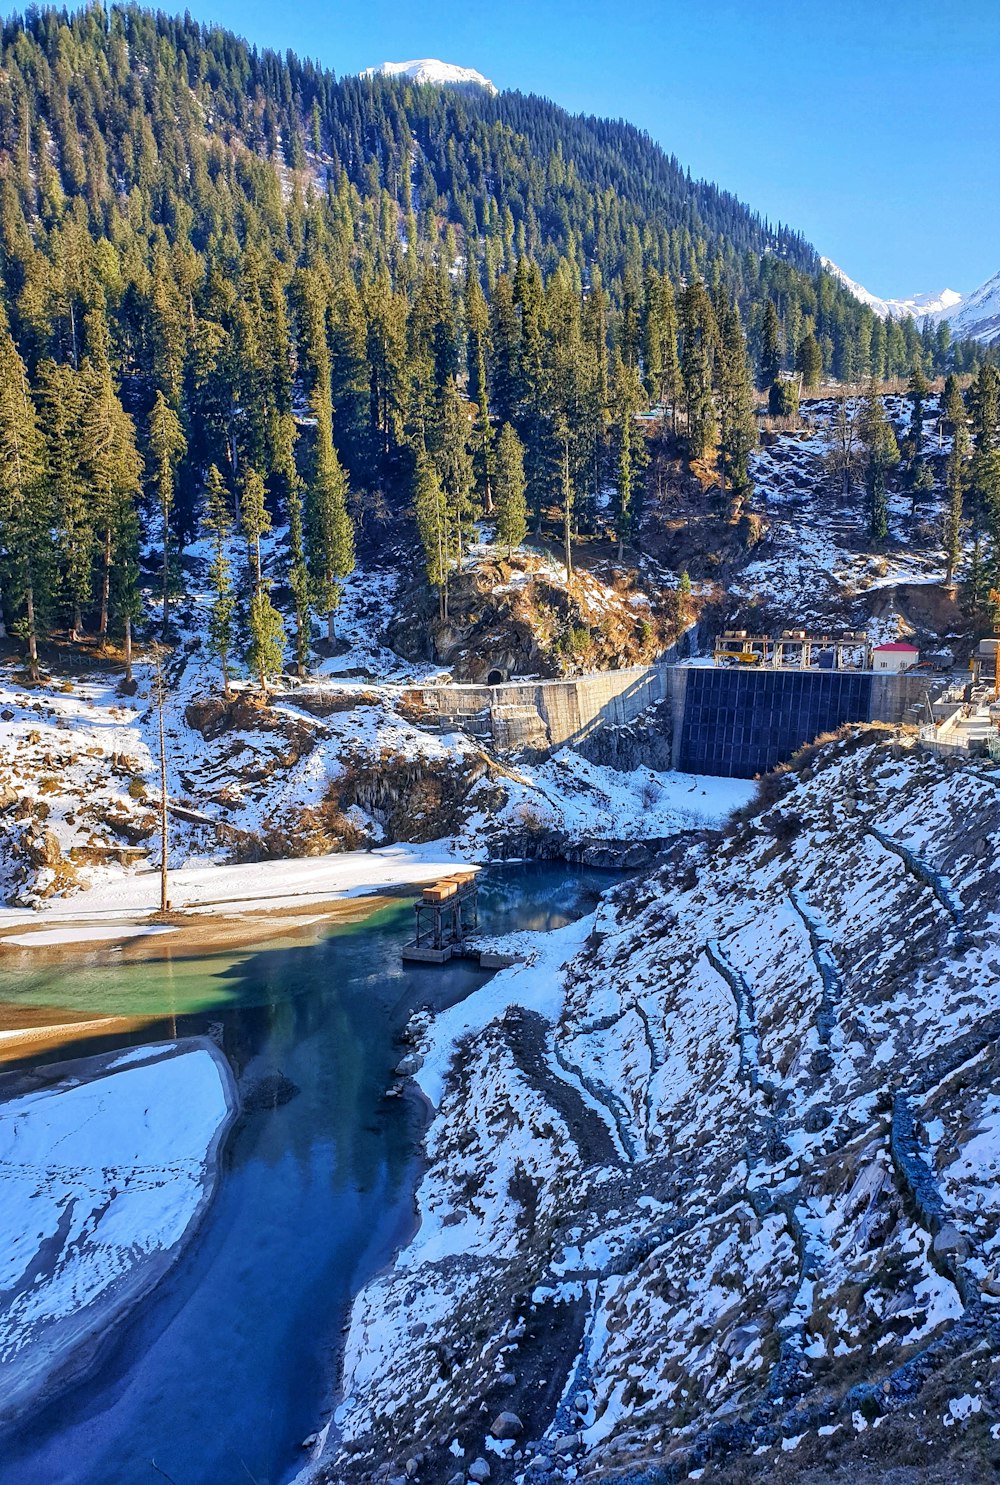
(872, 127)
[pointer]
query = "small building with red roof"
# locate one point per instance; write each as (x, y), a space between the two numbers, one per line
(896, 656)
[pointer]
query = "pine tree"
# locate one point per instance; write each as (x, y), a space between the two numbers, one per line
(985, 467)
(25, 513)
(266, 634)
(737, 418)
(956, 478)
(218, 523)
(113, 470)
(330, 533)
(167, 444)
(255, 520)
(844, 455)
(298, 571)
(881, 454)
(809, 361)
(265, 651)
(699, 335)
(477, 319)
(125, 597)
(510, 506)
(770, 346)
(450, 450)
(60, 408)
(917, 390)
(432, 525)
(629, 448)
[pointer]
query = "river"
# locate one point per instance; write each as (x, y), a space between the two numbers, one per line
(218, 1376)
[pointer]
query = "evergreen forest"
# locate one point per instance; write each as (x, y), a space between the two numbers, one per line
(291, 316)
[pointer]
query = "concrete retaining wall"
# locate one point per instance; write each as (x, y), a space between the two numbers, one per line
(545, 714)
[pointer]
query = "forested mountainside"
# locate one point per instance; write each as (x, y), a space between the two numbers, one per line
(238, 292)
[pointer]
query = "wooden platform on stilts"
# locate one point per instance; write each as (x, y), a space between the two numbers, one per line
(445, 913)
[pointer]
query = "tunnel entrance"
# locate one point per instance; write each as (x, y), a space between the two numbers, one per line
(495, 678)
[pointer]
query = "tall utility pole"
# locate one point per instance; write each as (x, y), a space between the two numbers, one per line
(995, 600)
(164, 896)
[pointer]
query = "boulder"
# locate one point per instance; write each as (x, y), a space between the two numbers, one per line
(479, 1471)
(949, 1242)
(568, 1443)
(507, 1426)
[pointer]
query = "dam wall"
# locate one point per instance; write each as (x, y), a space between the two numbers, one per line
(720, 720)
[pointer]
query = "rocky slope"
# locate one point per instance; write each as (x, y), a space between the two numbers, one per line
(712, 1184)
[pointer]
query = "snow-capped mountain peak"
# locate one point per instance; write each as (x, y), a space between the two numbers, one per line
(940, 305)
(430, 70)
(974, 316)
(978, 316)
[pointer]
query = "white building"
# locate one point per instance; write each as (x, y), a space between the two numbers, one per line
(897, 656)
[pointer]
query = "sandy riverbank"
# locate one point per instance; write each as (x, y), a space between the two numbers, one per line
(214, 909)
(222, 906)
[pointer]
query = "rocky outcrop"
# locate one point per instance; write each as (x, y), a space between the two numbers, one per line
(412, 799)
(521, 617)
(645, 743)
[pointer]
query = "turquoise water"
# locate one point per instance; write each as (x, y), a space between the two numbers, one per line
(222, 1372)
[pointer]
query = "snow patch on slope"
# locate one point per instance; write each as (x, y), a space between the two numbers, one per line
(428, 70)
(977, 317)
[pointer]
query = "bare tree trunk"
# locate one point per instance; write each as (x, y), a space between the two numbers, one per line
(105, 583)
(331, 626)
(128, 647)
(567, 514)
(32, 634)
(166, 566)
(164, 894)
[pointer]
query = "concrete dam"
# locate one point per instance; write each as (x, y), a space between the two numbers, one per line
(724, 721)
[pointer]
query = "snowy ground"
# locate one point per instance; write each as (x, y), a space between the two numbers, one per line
(568, 794)
(816, 562)
(228, 888)
(106, 1167)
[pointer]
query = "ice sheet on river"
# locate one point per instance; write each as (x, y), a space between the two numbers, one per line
(106, 1165)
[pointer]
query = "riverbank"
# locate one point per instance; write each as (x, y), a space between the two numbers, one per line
(132, 900)
(214, 909)
(109, 1164)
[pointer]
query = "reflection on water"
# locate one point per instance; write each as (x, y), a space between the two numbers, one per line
(221, 1374)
